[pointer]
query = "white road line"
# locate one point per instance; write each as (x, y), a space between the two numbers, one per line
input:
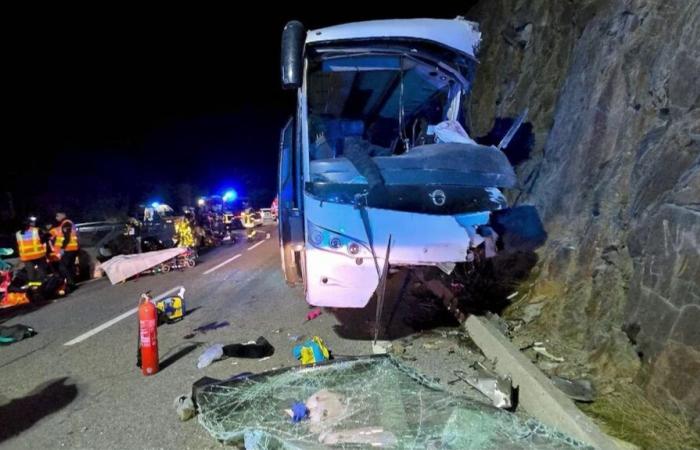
(104, 326)
(219, 266)
(255, 245)
(109, 323)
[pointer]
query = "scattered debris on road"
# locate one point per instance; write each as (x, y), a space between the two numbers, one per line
(260, 348)
(372, 436)
(298, 412)
(381, 347)
(295, 337)
(312, 351)
(212, 353)
(15, 333)
(185, 408)
(363, 401)
(498, 389)
(313, 314)
(441, 352)
(326, 409)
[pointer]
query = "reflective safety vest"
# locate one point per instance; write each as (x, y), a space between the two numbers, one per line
(29, 245)
(247, 220)
(58, 238)
(54, 253)
(185, 236)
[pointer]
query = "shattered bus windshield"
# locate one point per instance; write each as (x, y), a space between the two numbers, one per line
(385, 126)
(382, 103)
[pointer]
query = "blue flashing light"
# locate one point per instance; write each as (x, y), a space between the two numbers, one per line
(230, 196)
(155, 204)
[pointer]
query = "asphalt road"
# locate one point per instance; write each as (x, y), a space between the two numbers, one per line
(91, 395)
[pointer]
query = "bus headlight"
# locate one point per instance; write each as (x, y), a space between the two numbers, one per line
(328, 240)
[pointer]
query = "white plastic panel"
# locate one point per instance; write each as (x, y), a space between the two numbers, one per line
(417, 239)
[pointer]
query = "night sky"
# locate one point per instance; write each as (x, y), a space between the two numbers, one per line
(119, 107)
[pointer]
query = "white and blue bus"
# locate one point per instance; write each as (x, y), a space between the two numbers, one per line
(375, 161)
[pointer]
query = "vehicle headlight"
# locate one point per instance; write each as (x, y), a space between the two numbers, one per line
(328, 240)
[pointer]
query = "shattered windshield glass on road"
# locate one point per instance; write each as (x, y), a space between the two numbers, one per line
(365, 402)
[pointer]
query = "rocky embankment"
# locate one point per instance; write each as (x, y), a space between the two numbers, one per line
(613, 90)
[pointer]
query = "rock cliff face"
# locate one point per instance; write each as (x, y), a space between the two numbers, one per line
(613, 88)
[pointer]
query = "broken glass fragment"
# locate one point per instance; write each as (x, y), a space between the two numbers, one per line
(362, 402)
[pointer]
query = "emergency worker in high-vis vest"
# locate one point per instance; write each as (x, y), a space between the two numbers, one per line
(64, 237)
(31, 246)
(248, 223)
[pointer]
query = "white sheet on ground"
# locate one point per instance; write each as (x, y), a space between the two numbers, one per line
(122, 267)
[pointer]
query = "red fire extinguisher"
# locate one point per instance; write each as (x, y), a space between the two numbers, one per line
(148, 336)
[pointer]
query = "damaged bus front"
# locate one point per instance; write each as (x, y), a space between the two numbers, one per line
(375, 162)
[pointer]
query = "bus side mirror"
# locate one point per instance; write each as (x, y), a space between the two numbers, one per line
(291, 58)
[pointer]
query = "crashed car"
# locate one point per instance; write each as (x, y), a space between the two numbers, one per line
(376, 169)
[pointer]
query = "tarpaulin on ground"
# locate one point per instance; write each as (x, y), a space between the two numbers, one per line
(364, 402)
(122, 267)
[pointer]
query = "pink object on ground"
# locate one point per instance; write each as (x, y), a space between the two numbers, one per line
(313, 314)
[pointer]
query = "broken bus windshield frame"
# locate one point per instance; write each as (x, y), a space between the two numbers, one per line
(382, 101)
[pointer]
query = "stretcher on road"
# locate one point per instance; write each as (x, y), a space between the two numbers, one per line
(123, 267)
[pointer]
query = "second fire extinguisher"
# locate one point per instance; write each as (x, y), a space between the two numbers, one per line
(148, 336)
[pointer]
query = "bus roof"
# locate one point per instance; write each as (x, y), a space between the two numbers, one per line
(458, 34)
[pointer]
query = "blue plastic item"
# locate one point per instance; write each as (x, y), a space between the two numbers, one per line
(299, 412)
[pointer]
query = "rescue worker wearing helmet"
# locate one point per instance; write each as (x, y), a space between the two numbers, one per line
(64, 238)
(31, 244)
